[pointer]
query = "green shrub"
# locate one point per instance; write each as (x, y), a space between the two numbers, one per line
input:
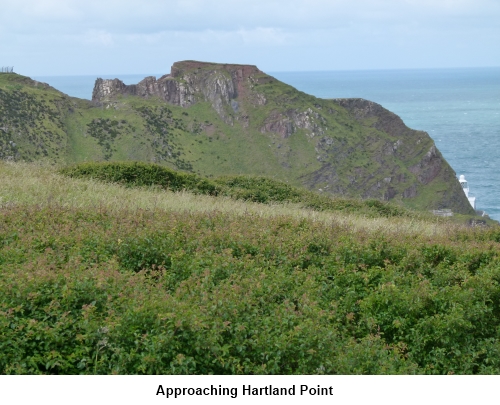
(259, 189)
(141, 174)
(101, 292)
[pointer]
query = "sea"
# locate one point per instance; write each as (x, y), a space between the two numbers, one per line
(458, 108)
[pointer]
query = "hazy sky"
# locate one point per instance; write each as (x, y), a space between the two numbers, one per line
(78, 37)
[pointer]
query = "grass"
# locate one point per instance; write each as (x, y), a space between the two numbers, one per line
(40, 184)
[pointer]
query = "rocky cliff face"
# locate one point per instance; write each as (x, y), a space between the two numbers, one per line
(416, 148)
(166, 88)
(189, 82)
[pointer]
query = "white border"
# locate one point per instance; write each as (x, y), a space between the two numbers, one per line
(141, 390)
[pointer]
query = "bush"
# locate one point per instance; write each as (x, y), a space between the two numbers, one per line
(86, 292)
(259, 189)
(142, 174)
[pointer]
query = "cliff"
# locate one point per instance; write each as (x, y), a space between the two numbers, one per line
(216, 119)
(189, 82)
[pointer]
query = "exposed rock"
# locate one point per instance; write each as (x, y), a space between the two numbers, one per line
(390, 193)
(104, 89)
(235, 106)
(285, 124)
(279, 124)
(385, 120)
(410, 192)
(429, 167)
(165, 88)
(218, 84)
(326, 175)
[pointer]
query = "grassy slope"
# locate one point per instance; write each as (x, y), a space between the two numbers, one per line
(99, 278)
(248, 188)
(32, 120)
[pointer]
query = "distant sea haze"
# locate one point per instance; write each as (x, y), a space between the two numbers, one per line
(459, 108)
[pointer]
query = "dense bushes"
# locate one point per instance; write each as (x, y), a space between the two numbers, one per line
(249, 188)
(93, 291)
(259, 189)
(142, 174)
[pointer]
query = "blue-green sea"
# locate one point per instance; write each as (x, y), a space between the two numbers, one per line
(459, 108)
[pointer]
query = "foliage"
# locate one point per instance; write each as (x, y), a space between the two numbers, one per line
(259, 189)
(141, 174)
(100, 291)
(38, 120)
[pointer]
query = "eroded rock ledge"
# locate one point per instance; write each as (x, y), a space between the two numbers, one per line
(218, 84)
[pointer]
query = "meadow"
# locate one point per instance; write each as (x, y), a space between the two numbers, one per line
(107, 275)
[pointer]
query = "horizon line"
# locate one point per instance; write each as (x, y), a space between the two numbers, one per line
(281, 71)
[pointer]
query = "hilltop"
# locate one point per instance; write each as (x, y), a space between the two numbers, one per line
(225, 119)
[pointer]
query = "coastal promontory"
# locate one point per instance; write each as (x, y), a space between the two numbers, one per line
(218, 119)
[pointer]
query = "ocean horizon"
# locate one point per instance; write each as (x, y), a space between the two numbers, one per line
(459, 108)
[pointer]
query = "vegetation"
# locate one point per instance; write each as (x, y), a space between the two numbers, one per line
(39, 121)
(248, 188)
(103, 278)
(142, 174)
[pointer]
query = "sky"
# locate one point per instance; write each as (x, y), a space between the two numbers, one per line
(92, 37)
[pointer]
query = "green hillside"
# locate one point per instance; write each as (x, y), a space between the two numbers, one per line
(121, 276)
(215, 120)
(247, 188)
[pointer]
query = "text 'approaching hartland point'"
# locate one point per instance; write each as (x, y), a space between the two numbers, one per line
(176, 392)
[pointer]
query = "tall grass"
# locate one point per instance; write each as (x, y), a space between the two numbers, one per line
(41, 184)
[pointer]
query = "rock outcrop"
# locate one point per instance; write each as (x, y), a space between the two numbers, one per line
(166, 88)
(285, 124)
(189, 82)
